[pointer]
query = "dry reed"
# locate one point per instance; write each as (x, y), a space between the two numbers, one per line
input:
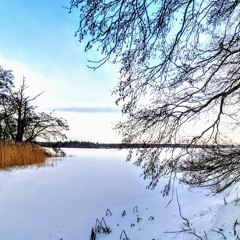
(15, 154)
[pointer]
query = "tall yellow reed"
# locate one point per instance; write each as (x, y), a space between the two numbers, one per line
(14, 154)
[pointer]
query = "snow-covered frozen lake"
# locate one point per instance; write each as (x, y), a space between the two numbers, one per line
(64, 200)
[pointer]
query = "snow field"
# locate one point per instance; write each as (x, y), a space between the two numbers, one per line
(65, 201)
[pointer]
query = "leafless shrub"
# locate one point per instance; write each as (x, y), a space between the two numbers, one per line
(108, 213)
(124, 236)
(101, 227)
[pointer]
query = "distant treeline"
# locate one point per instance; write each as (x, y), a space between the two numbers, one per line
(83, 144)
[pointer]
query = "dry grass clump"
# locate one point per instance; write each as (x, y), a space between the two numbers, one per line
(14, 154)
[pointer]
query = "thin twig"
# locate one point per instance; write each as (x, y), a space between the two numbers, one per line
(224, 237)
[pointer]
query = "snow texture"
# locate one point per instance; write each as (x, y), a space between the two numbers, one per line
(66, 199)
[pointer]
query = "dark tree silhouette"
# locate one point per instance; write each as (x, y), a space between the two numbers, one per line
(179, 65)
(6, 85)
(6, 80)
(22, 122)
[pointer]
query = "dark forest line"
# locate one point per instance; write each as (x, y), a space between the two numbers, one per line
(86, 144)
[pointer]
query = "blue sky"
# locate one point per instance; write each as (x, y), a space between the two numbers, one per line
(38, 41)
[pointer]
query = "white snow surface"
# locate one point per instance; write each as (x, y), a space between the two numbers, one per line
(64, 200)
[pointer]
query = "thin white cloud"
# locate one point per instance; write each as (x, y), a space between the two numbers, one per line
(88, 109)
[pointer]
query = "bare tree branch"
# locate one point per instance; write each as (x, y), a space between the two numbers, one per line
(179, 65)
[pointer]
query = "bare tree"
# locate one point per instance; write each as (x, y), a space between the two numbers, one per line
(24, 123)
(6, 85)
(179, 65)
(45, 126)
(6, 80)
